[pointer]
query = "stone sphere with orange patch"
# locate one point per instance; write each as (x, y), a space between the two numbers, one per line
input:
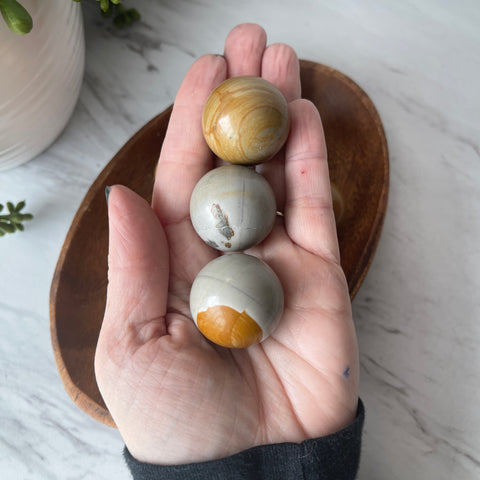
(236, 300)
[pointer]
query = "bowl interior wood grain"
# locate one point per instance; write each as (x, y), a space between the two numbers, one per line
(359, 171)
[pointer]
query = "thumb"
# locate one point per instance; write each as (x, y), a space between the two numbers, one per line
(138, 268)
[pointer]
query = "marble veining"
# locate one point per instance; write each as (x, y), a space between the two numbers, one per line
(416, 313)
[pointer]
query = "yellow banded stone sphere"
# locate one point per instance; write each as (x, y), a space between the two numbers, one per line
(245, 120)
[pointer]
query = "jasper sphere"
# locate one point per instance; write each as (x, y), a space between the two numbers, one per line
(236, 300)
(245, 120)
(232, 208)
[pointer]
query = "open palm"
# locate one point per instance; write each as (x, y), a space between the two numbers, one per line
(175, 396)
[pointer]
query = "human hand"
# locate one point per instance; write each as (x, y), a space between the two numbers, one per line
(174, 396)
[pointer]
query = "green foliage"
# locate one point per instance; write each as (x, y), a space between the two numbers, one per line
(121, 16)
(125, 17)
(16, 17)
(20, 22)
(105, 4)
(13, 221)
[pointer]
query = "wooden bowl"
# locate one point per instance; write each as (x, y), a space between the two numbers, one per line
(359, 171)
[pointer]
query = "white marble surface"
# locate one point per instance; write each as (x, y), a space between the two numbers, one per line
(418, 311)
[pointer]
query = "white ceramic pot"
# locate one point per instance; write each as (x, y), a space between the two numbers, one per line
(40, 78)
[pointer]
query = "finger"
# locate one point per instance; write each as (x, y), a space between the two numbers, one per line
(281, 67)
(244, 47)
(185, 156)
(137, 269)
(309, 217)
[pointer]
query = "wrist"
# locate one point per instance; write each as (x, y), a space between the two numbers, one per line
(332, 456)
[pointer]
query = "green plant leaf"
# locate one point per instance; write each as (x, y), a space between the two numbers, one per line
(104, 5)
(19, 206)
(7, 227)
(16, 17)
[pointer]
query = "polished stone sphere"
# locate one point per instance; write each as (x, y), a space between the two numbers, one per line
(232, 208)
(245, 120)
(236, 300)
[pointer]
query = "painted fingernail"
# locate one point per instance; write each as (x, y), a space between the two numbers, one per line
(107, 193)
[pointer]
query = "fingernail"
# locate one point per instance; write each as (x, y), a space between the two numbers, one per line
(220, 55)
(107, 193)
